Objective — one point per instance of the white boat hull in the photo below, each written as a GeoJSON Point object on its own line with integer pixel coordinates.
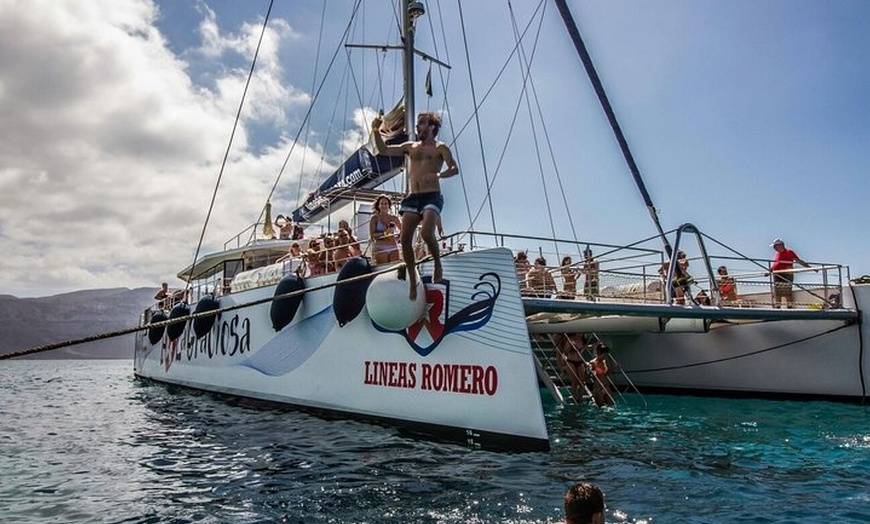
{"type": "Point", "coordinates": [817, 358]}
{"type": "Point", "coordinates": [473, 381]}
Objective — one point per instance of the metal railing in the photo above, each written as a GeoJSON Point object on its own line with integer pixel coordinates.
{"type": "Point", "coordinates": [636, 273]}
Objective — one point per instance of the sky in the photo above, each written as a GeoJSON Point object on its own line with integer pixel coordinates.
{"type": "Point", "coordinates": [747, 119]}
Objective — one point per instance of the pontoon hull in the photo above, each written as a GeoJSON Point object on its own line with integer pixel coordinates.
{"type": "Point", "coordinates": [466, 374]}
{"type": "Point", "coordinates": [787, 358]}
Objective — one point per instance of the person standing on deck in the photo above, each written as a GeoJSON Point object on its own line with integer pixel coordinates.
{"type": "Point", "coordinates": [590, 270]}
{"type": "Point", "coordinates": [783, 273]}
{"type": "Point", "coordinates": [164, 296]}
{"type": "Point", "coordinates": [569, 278]}
{"type": "Point", "coordinates": [424, 201]}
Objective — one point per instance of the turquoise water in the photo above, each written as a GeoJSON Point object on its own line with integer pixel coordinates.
{"type": "Point", "coordinates": [83, 441]}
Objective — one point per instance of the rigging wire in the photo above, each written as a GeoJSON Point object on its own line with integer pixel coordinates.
{"type": "Point", "coordinates": [319, 171]}
{"type": "Point", "coordinates": [545, 130]}
{"type": "Point", "coordinates": [313, 86]}
{"type": "Point", "coordinates": [488, 198]}
{"type": "Point", "coordinates": [445, 101]}
{"type": "Point", "coordinates": [498, 75]}
{"type": "Point", "coordinates": [229, 146]}
{"type": "Point", "coordinates": [314, 178]}
{"type": "Point", "coordinates": [477, 105]}
{"type": "Point", "coordinates": [376, 97]}
{"type": "Point", "coordinates": [763, 267]}
{"type": "Point", "coordinates": [314, 100]}
{"type": "Point", "coordinates": [503, 153]}
{"type": "Point", "coordinates": [526, 69]}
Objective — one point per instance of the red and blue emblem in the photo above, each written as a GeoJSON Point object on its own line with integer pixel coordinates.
{"type": "Point", "coordinates": [437, 322]}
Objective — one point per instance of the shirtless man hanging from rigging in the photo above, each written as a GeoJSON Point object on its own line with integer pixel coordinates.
{"type": "Point", "coordinates": [424, 201]}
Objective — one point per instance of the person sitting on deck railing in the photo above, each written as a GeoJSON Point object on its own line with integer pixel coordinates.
{"type": "Point", "coordinates": [294, 252]}
{"type": "Point", "coordinates": [164, 296]}
{"type": "Point", "coordinates": [298, 232]}
{"type": "Point", "coordinates": [329, 253]}
{"type": "Point", "coordinates": [352, 241]}
{"type": "Point", "coordinates": [286, 227]}
{"type": "Point", "coordinates": [539, 281]}
{"type": "Point", "coordinates": [727, 285]}
{"type": "Point", "coordinates": [682, 278]}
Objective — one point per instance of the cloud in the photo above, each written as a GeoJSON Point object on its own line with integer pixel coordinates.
{"type": "Point", "coordinates": [110, 149]}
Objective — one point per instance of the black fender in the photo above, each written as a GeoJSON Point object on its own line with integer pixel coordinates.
{"type": "Point", "coordinates": [173, 331]}
{"type": "Point", "coordinates": [284, 309]}
{"type": "Point", "coordinates": [349, 299]}
{"type": "Point", "coordinates": [155, 333]}
{"type": "Point", "coordinates": [202, 325]}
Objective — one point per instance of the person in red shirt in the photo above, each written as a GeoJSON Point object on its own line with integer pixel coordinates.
{"type": "Point", "coordinates": [783, 273]}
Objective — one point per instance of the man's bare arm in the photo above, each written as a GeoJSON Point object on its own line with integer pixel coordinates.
{"type": "Point", "coordinates": [447, 156]}
{"type": "Point", "coordinates": [381, 148]}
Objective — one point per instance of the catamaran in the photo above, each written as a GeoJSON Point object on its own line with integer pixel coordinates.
{"type": "Point", "coordinates": [470, 360]}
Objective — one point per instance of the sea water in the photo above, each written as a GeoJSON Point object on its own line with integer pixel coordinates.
{"type": "Point", "coordinates": [84, 441]}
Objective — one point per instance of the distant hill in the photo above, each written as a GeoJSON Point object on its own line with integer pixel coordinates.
{"type": "Point", "coordinates": [31, 322]}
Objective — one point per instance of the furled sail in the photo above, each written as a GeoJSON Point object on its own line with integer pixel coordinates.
{"type": "Point", "coordinates": [268, 230]}
{"type": "Point", "coordinates": [393, 124]}
{"type": "Point", "coordinates": [362, 170]}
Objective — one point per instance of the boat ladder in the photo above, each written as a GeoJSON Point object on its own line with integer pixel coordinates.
{"type": "Point", "coordinates": [556, 372]}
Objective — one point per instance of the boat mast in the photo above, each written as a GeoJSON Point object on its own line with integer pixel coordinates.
{"type": "Point", "coordinates": [411, 11]}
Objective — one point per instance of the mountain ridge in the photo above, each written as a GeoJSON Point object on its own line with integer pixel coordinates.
{"type": "Point", "coordinates": [31, 322]}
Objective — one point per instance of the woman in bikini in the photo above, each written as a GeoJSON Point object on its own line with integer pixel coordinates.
{"type": "Point", "coordinates": [315, 258]}
{"type": "Point", "coordinates": [600, 388]}
{"type": "Point", "coordinates": [569, 278]}
{"type": "Point", "coordinates": [570, 363]}
{"type": "Point", "coordinates": [384, 229]}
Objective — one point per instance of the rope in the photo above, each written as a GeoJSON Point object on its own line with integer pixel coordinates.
{"type": "Point", "coordinates": [192, 316]}
{"type": "Point", "coordinates": [736, 357]}
{"type": "Point", "coordinates": [445, 84]}
{"type": "Point", "coordinates": [229, 147]}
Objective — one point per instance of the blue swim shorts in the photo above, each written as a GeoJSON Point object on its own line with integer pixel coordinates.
{"type": "Point", "coordinates": [419, 202]}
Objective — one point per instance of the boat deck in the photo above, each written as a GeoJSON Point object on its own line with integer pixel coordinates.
{"type": "Point", "coordinates": [540, 308]}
